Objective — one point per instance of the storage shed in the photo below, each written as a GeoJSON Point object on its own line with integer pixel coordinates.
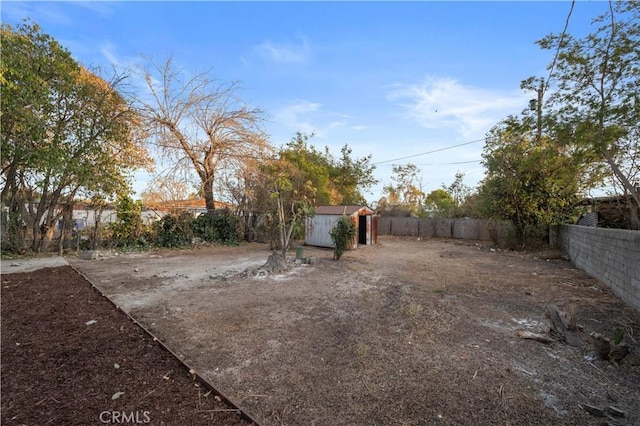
{"type": "Point", "coordinates": [318, 227]}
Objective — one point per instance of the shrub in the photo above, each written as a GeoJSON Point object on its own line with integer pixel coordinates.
{"type": "Point", "coordinates": [127, 231]}
{"type": "Point", "coordinates": [341, 235]}
{"type": "Point", "coordinates": [174, 230]}
{"type": "Point", "coordinates": [216, 227]}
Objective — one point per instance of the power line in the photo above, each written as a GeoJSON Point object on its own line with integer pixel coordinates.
{"type": "Point", "coordinates": [449, 164]}
{"type": "Point", "coordinates": [555, 58]}
{"type": "Point", "coordinates": [430, 152]}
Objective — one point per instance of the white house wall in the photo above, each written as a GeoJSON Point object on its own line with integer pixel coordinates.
{"type": "Point", "coordinates": [88, 217]}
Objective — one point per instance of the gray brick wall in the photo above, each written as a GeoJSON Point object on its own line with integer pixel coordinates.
{"type": "Point", "coordinates": [609, 255]}
{"type": "Point", "coordinates": [466, 229]}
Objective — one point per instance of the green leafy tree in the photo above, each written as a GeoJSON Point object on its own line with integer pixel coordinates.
{"type": "Point", "coordinates": [293, 197]}
{"type": "Point", "coordinates": [351, 177]}
{"type": "Point", "coordinates": [336, 181]}
{"type": "Point", "coordinates": [405, 191]}
{"type": "Point", "coordinates": [529, 181]}
{"type": "Point", "coordinates": [312, 165]}
{"type": "Point", "coordinates": [66, 132]}
{"type": "Point", "coordinates": [128, 229]}
{"type": "Point", "coordinates": [597, 79]}
{"type": "Point", "coordinates": [458, 192]}
{"type": "Point", "coordinates": [439, 203]}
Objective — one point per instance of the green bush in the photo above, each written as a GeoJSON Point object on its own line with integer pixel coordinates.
{"type": "Point", "coordinates": [174, 230]}
{"type": "Point", "coordinates": [216, 227]}
{"type": "Point", "coordinates": [127, 231]}
{"type": "Point", "coordinates": [341, 235]}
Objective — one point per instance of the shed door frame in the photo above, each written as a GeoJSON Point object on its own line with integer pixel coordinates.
{"type": "Point", "coordinates": [364, 229]}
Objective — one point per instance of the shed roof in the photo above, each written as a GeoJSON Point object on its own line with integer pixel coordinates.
{"type": "Point", "coordinates": [339, 210]}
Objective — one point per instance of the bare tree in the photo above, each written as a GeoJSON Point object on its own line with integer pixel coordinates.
{"type": "Point", "coordinates": [168, 189]}
{"type": "Point", "coordinates": [199, 122]}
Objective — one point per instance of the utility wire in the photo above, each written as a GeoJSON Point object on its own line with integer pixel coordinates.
{"type": "Point", "coordinates": [430, 152]}
{"type": "Point", "coordinates": [271, 156]}
{"type": "Point", "coordinates": [448, 164]}
{"type": "Point", "coordinates": [555, 58]}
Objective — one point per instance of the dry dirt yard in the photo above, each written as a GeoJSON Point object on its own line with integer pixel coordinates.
{"type": "Point", "coordinates": [405, 332]}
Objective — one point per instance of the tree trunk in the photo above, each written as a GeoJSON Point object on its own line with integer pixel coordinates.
{"type": "Point", "coordinates": [66, 229]}
{"type": "Point", "coordinates": [563, 325]}
{"type": "Point", "coordinates": [275, 263]}
{"type": "Point", "coordinates": [97, 222]}
{"type": "Point", "coordinates": [633, 191]}
{"type": "Point", "coordinates": [207, 189]}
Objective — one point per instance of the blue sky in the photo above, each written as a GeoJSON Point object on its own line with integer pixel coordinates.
{"type": "Point", "coordinates": [391, 79]}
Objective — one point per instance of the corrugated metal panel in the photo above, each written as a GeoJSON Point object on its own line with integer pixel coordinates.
{"type": "Point", "coordinates": [589, 219]}
{"type": "Point", "coordinates": [318, 227]}
{"type": "Point", "coordinates": [340, 210]}
{"type": "Point", "coordinates": [318, 230]}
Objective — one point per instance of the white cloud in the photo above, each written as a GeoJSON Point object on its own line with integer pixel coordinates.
{"type": "Point", "coordinates": [45, 13]}
{"type": "Point", "coordinates": [107, 51]}
{"type": "Point", "coordinates": [286, 53]}
{"type": "Point", "coordinates": [336, 124]}
{"type": "Point", "coordinates": [41, 13]}
{"type": "Point", "coordinates": [330, 128]}
{"type": "Point", "coordinates": [296, 116]}
{"type": "Point", "coordinates": [103, 9]}
{"type": "Point", "coordinates": [437, 103]}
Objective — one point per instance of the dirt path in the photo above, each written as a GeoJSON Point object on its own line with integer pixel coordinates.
{"type": "Point", "coordinates": [406, 332]}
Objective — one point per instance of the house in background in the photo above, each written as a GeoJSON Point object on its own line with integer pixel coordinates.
{"type": "Point", "coordinates": [84, 216]}
{"type": "Point", "coordinates": [619, 211]}
{"type": "Point", "coordinates": [318, 227]}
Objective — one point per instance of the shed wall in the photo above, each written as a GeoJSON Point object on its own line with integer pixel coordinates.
{"type": "Point", "coordinates": [318, 229]}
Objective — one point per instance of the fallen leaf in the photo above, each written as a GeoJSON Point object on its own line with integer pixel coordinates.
{"type": "Point", "coordinates": [117, 395]}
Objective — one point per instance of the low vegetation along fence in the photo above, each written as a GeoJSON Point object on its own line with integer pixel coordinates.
{"type": "Point", "coordinates": [609, 255]}
{"type": "Point", "coordinates": [500, 232]}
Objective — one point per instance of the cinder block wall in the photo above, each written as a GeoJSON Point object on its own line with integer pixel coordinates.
{"type": "Point", "coordinates": [467, 229]}
{"type": "Point", "coordinates": [609, 255]}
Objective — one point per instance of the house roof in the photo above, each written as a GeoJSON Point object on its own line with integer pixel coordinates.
{"type": "Point", "coordinates": [341, 210]}
{"type": "Point", "coordinates": [193, 204]}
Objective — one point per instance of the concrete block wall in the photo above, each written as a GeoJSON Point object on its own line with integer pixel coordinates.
{"type": "Point", "coordinates": [444, 228]}
{"type": "Point", "coordinates": [467, 229]}
{"type": "Point", "coordinates": [427, 227]}
{"type": "Point", "coordinates": [609, 255]}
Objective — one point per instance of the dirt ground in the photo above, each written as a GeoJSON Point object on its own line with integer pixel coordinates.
{"type": "Point", "coordinates": [405, 332]}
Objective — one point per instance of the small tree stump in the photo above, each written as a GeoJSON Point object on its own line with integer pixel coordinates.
{"type": "Point", "coordinates": [601, 344]}
{"type": "Point", "coordinates": [563, 325]}
{"type": "Point", "coordinates": [275, 263]}
{"type": "Point", "coordinates": [568, 318]}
